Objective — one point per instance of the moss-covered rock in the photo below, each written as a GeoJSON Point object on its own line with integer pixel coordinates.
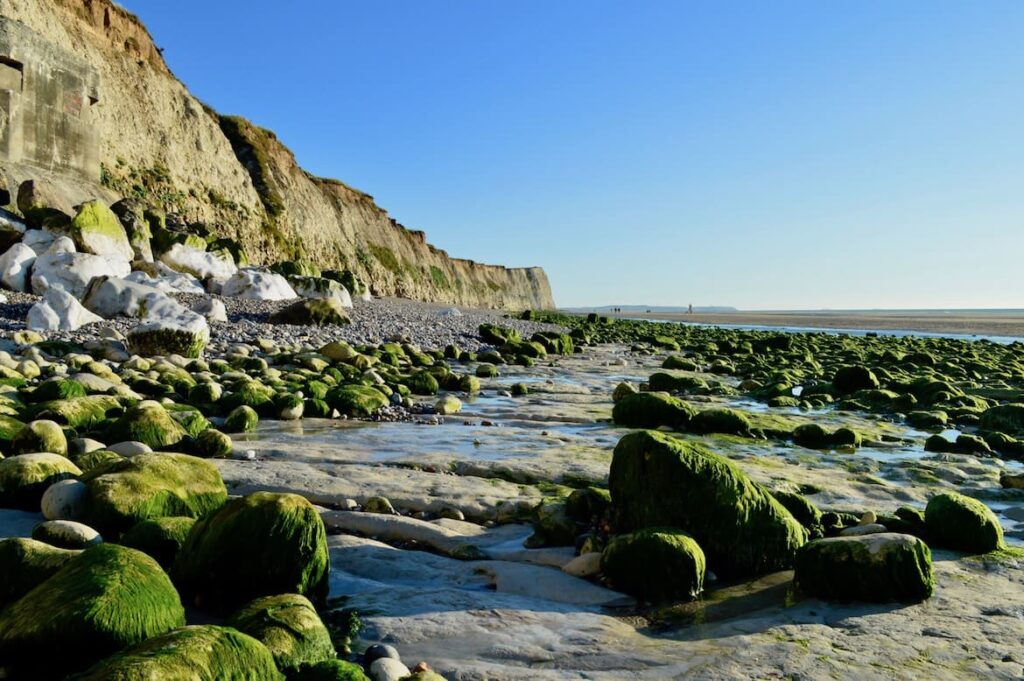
{"type": "Point", "coordinates": [356, 400]}
{"type": "Point", "coordinates": [241, 420]}
{"type": "Point", "coordinates": [846, 437]}
{"type": "Point", "coordinates": [281, 533]}
{"type": "Point", "coordinates": [927, 420]}
{"type": "Point", "coordinates": [719, 420]}
{"type": "Point", "coordinates": [677, 362]}
{"type": "Point", "coordinates": [658, 480]}
{"type": "Point", "coordinates": [40, 436]}
{"type": "Point", "coordinates": [312, 312]}
{"type": "Point", "coordinates": [655, 564]}
{"type": "Point", "coordinates": [623, 390]}
{"type": "Point", "coordinates": [289, 627]}
{"type": "Point", "coordinates": [81, 413]}
{"type": "Point", "coordinates": [876, 568]}
{"type": "Point", "coordinates": [806, 513]}
{"type": "Point", "coordinates": [96, 229]}
{"type": "Point", "coordinates": [850, 379]}
{"type": "Point", "coordinates": [587, 504]}
{"type": "Point", "coordinates": [24, 478]}
{"type": "Point", "coordinates": [159, 538]}
{"type": "Point", "coordinates": [486, 370]}
{"type": "Point", "coordinates": [498, 335]}
{"type": "Point", "coordinates": [447, 405]}
{"type": "Point", "coordinates": [147, 422]}
{"type": "Point", "coordinates": [213, 444]}
{"type": "Point", "coordinates": [812, 436]}
{"type": "Point", "coordinates": [651, 410]}
{"type": "Point", "coordinates": [123, 493]}
{"type": "Point", "coordinates": [552, 525]}
{"type": "Point", "coordinates": [27, 563]}
{"type": "Point", "coordinates": [1006, 418]}
{"type": "Point", "coordinates": [331, 670]}
{"type": "Point", "coordinates": [422, 383]}
{"type": "Point", "coordinates": [961, 523]}
{"type": "Point", "coordinates": [88, 461]}
{"type": "Point", "coordinates": [56, 389]}
{"type": "Point", "coordinates": [101, 601]}
{"type": "Point", "coordinates": [188, 653]}
{"type": "Point", "coordinates": [682, 384]}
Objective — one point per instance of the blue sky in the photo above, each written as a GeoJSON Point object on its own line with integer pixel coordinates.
{"type": "Point", "coordinates": [773, 155]}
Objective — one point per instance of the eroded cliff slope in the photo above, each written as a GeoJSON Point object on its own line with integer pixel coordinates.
{"type": "Point", "coordinates": [160, 143]}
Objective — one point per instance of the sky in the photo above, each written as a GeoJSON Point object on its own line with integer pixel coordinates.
{"type": "Point", "coordinates": [764, 155]}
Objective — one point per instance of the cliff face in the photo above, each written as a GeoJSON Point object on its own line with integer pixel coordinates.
{"type": "Point", "coordinates": [160, 143]}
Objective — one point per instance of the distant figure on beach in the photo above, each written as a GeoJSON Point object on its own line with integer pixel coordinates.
{"type": "Point", "coordinates": [690, 309]}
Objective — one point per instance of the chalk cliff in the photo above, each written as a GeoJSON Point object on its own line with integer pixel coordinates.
{"type": "Point", "coordinates": [158, 142]}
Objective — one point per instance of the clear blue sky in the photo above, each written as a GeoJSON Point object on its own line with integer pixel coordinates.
{"type": "Point", "coordinates": [756, 154]}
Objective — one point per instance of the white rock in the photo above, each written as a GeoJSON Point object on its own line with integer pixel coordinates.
{"type": "Point", "coordinates": [93, 383]}
{"type": "Point", "coordinates": [255, 284]}
{"type": "Point", "coordinates": [585, 565]}
{"type": "Point", "coordinates": [168, 281]}
{"type": "Point", "coordinates": [388, 669]}
{"type": "Point", "coordinates": [38, 240]}
{"type": "Point", "coordinates": [63, 500]}
{"type": "Point", "coordinates": [11, 223]}
{"type": "Point", "coordinates": [315, 287]}
{"type": "Point", "coordinates": [450, 312]}
{"type": "Point", "coordinates": [59, 311]}
{"type": "Point", "coordinates": [169, 328]}
{"type": "Point", "coordinates": [72, 272]}
{"type": "Point", "coordinates": [200, 264]}
{"type": "Point", "coordinates": [116, 297]}
{"type": "Point", "coordinates": [860, 530]}
{"type": "Point", "coordinates": [66, 534]}
{"type": "Point", "coordinates": [130, 448]}
{"type": "Point", "coordinates": [84, 445]}
{"type": "Point", "coordinates": [15, 266]}
{"type": "Point", "coordinates": [61, 244]}
{"type": "Point", "coordinates": [211, 308]}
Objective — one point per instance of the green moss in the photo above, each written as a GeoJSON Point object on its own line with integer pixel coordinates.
{"type": "Point", "coordinates": [658, 480]}
{"type": "Point", "coordinates": [105, 599]}
{"type": "Point", "coordinates": [806, 513]}
{"type": "Point", "coordinates": [159, 538]}
{"type": "Point", "coordinates": [165, 341]}
{"type": "Point", "coordinates": [312, 312]}
{"type": "Point", "coordinates": [423, 383]}
{"type": "Point", "coordinates": [40, 436]}
{"type": "Point", "coordinates": [252, 146]}
{"type": "Point", "coordinates": [332, 670]}
{"type": "Point", "coordinates": [194, 652]}
{"type": "Point", "coordinates": [23, 479]}
{"type": "Point", "coordinates": [27, 563]}
{"type": "Point", "coordinates": [356, 400]}
{"type": "Point", "coordinates": [88, 461]}
{"type": "Point", "coordinates": [123, 493]}
{"type": "Point", "coordinates": [1006, 418]}
{"type": "Point", "coordinates": [676, 362]}
{"type": "Point", "coordinates": [497, 335]}
{"type": "Point", "coordinates": [386, 257]}
{"type": "Point", "coordinates": [289, 627]}
{"type": "Point", "coordinates": [850, 379]}
{"type": "Point", "coordinates": [719, 420]}
{"type": "Point", "coordinates": [655, 564]}
{"type": "Point", "coordinates": [876, 568]}
{"type": "Point", "coordinates": [191, 420]}
{"type": "Point", "coordinates": [486, 370]}
{"type": "Point", "coordinates": [961, 523]}
{"type": "Point", "coordinates": [80, 413]}
{"type": "Point", "coordinates": [682, 384]}
{"type": "Point", "coordinates": [57, 389]}
{"type": "Point", "coordinates": [552, 525]}
{"type": "Point", "coordinates": [588, 504]}
{"type": "Point", "coordinates": [650, 410]}
{"type": "Point", "coordinates": [281, 533]}
{"type": "Point", "coordinates": [147, 422]}
{"type": "Point", "coordinates": [213, 444]}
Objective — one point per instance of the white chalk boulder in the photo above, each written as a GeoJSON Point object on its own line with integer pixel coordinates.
{"type": "Point", "coordinates": [59, 311]}
{"type": "Point", "coordinates": [257, 284]}
{"type": "Point", "coordinates": [200, 264]}
{"type": "Point", "coordinates": [15, 267]}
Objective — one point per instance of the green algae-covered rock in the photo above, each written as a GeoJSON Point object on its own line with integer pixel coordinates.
{"type": "Point", "coordinates": [586, 504]}
{"type": "Point", "coordinates": [356, 400]}
{"type": "Point", "coordinates": [498, 335]}
{"type": "Point", "coordinates": [96, 229]}
{"type": "Point", "coordinates": [961, 523]}
{"type": "Point", "coordinates": [658, 480]}
{"type": "Point", "coordinates": [469, 384]}
{"type": "Point", "coordinates": [719, 420]}
{"type": "Point", "coordinates": [191, 420]}
{"type": "Point", "coordinates": [1006, 418]}
{"type": "Point", "coordinates": [9, 428]}
{"type": "Point", "coordinates": [147, 422]}
{"type": "Point", "coordinates": [88, 461]}
{"type": "Point", "coordinates": [552, 526]}
{"type": "Point", "coordinates": [850, 379]}
{"type": "Point", "coordinates": [331, 670]}
{"type": "Point", "coordinates": [123, 493]}
{"type": "Point", "coordinates": [650, 410]}
{"type": "Point", "coordinates": [56, 389]}
{"type": "Point", "coordinates": [282, 534]}
{"type": "Point", "coordinates": [79, 412]}
{"type": "Point", "coordinates": [677, 362]}
{"type": "Point", "coordinates": [623, 390]}
{"type": "Point", "coordinates": [812, 436]}
{"type": "Point", "coordinates": [101, 601]}
{"type": "Point", "coordinates": [40, 436]}
{"type": "Point", "coordinates": [447, 405]}
{"type": "Point", "coordinates": [927, 420]}
{"type": "Point", "coordinates": [876, 567]}
{"type": "Point", "coordinates": [159, 538]}
{"type": "Point", "coordinates": [655, 564]}
{"type": "Point", "coordinates": [24, 478]}
{"type": "Point", "coordinates": [806, 513]}
{"type": "Point", "coordinates": [845, 437]}
{"type": "Point", "coordinates": [190, 653]}
{"type": "Point", "coordinates": [241, 420]}
{"type": "Point", "coordinates": [312, 312]}
{"type": "Point", "coordinates": [486, 370]}
{"type": "Point", "coordinates": [423, 383]}
{"type": "Point", "coordinates": [289, 627]}
{"type": "Point", "coordinates": [213, 444]}
{"type": "Point", "coordinates": [27, 563]}
{"type": "Point", "coordinates": [670, 383]}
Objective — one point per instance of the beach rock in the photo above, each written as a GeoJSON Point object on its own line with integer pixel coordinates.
{"type": "Point", "coordinates": [12, 228]}
{"type": "Point", "coordinates": [126, 492]}
{"type": "Point", "coordinates": [1010, 481]}
{"type": "Point", "coordinates": [312, 312]}
{"type": "Point", "coordinates": [103, 600]}
{"type": "Point", "coordinates": [166, 280]}
{"type": "Point", "coordinates": [719, 420]}
{"type": "Point", "coordinates": [192, 652]}
{"type": "Point", "coordinates": [320, 287]}
{"type": "Point", "coordinates": [356, 400]}
{"type": "Point", "coordinates": [584, 565]}
{"type": "Point", "coordinates": [96, 229]}
{"type": "Point", "coordinates": [379, 505]}
{"type": "Point", "coordinates": [66, 534]}
{"type": "Point", "coordinates": [149, 423]}
{"type": "Point", "coordinates": [623, 390]}
{"type": "Point", "coordinates": [131, 213]}
{"type": "Point", "coordinates": [117, 297]}
{"type": "Point", "coordinates": [655, 564]}
{"type": "Point", "coordinates": [40, 436]}
{"type": "Point", "coordinates": [388, 669]}
{"type": "Point", "coordinates": [63, 500]}
{"type": "Point", "coordinates": [16, 266]}
{"type": "Point", "coordinates": [27, 563]}
{"type": "Point", "coordinates": [241, 419]}
{"type": "Point", "coordinates": [863, 529]}
{"type": "Point", "coordinates": [961, 523]}
{"type": "Point", "coordinates": [212, 309]}
{"type": "Point", "coordinates": [447, 405]}
{"type": "Point", "coordinates": [159, 538]}
{"type": "Point", "coordinates": [379, 651]}
{"type": "Point", "coordinates": [331, 670]}
{"type": "Point", "coordinates": [170, 329]}
{"type": "Point", "coordinates": [256, 284]}
{"type": "Point", "coordinates": [1006, 418]}
{"type": "Point", "coordinates": [41, 202]}
{"type": "Point", "coordinates": [213, 444]}
{"type": "Point", "coordinates": [72, 272]}
{"type": "Point", "coordinates": [741, 528]}
{"type": "Point", "coordinates": [59, 311]}
{"type": "Point", "coordinates": [850, 379]}
{"type": "Point", "coordinates": [876, 568]}
{"type": "Point", "coordinates": [130, 448]}
{"type": "Point", "coordinates": [39, 240]}
{"type": "Point", "coordinates": [200, 264]}
{"type": "Point", "coordinates": [281, 533]}
{"type": "Point", "coordinates": [651, 410]}
{"type": "Point", "coordinates": [288, 625]}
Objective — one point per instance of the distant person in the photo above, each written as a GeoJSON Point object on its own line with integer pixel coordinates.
{"type": "Point", "coordinates": [690, 309]}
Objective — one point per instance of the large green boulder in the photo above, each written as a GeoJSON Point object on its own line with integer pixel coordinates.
{"type": "Point", "coordinates": [147, 422]}
{"type": "Point", "coordinates": [670, 383]}
{"type": "Point", "coordinates": [101, 601]}
{"type": "Point", "coordinates": [655, 564]}
{"type": "Point", "coordinates": [241, 420]}
{"type": "Point", "coordinates": [40, 436]}
{"type": "Point", "coordinates": [282, 534]}
{"type": "Point", "coordinates": [193, 653]}
{"type": "Point", "coordinates": [658, 480]}
{"type": "Point", "coordinates": [159, 538]}
{"type": "Point", "coordinates": [331, 670]}
{"type": "Point", "coordinates": [875, 568]}
{"type": "Point", "coordinates": [850, 379]}
{"type": "Point", "coordinates": [27, 563]}
{"type": "Point", "coordinates": [79, 412]}
{"type": "Point", "coordinates": [651, 410]}
{"type": "Point", "coordinates": [356, 400]}
{"type": "Point", "coordinates": [24, 478]}
{"type": "Point", "coordinates": [961, 523]}
{"type": "Point", "coordinates": [289, 627]}
{"type": "Point", "coordinates": [1006, 418]}
{"type": "Point", "coordinates": [96, 229]}
{"type": "Point", "coordinates": [123, 493]}
{"type": "Point", "coordinates": [312, 312]}
{"type": "Point", "coordinates": [719, 420]}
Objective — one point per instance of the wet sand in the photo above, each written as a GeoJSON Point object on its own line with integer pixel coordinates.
{"type": "Point", "coordinates": [995, 323]}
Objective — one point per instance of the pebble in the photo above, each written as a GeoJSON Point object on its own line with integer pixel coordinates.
{"type": "Point", "coordinates": [379, 651]}
{"type": "Point", "coordinates": [388, 669]}
{"type": "Point", "coordinates": [859, 530]}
